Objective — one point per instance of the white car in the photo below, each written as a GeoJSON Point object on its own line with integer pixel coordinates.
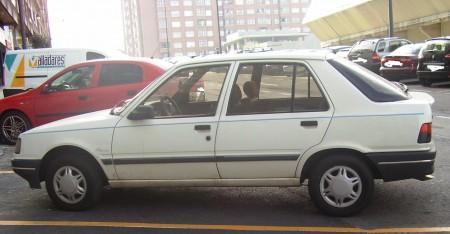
{"type": "Point", "coordinates": [324, 120]}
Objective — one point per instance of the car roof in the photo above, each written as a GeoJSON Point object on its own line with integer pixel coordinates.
{"type": "Point", "coordinates": [440, 38]}
{"type": "Point", "coordinates": [156, 62]}
{"type": "Point", "coordinates": [315, 54]}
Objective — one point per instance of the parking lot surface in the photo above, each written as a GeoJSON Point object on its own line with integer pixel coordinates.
{"type": "Point", "coordinates": [405, 206]}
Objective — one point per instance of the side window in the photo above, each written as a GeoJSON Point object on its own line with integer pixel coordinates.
{"type": "Point", "coordinates": [94, 55]}
{"type": "Point", "coordinates": [275, 88]}
{"type": "Point", "coordinates": [308, 96]}
{"type": "Point", "coordinates": [393, 45]}
{"type": "Point", "coordinates": [381, 46]}
{"type": "Point", "coordinates": [189, 92]}
{"type": "Point", "coordinates": [114, 74]}
{"type": "Point", "coordinates": [78, 78]}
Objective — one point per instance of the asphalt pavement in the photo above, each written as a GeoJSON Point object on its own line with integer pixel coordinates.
{"type": "Point", "coordinates": [404, 206]}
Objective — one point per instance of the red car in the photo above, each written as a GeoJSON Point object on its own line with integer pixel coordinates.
{"type": "Point", "coordinates": [401, 63]}
{"type": "Point", "coordinates": [78, 89]}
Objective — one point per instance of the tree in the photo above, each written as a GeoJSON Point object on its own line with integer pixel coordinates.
{"type": "Point", "coordinates": [40, 41]}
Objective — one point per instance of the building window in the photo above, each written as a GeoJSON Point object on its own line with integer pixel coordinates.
{"type": "Point", "coordinates": [174, 3]}
{"type": "Point", "coordinates": [202, 43]}
{"type": "Point", "coordinates": [187, 2]}
{"type": "Point", "coordinates": [177, 45]}
{"type": "Point", "coordinates": [175, 13]}
{"type": "Point", "coordinates": [190, 44]}
{"type": "Point", "coordinates": [188, 13]}
{"type": "Point", "coordinates": [190, 34]}
{"type": "Point", "coordinates": [210, 43]}
{"type": "Point", "coordinates": [176, 34]}
{"type": "Point", "coordinates": [176, 24]}
{"type": "Point", "coordinates": [189, 23]}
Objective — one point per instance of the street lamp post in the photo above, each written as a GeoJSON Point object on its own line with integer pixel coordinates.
{"type": "Point", "coordinates": [391, 19]}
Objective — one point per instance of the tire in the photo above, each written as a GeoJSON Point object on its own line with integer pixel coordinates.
{"type": "Point", "coordinates": [354, 188]}
{"type": "Point", "coordinates": [12, 123]}
{"type": "Point", "coordinates": [425, 83]}
{"type": "Point", "coordinates": [70, 171]}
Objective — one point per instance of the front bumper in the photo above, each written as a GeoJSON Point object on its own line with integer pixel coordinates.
{"type": "Point", "coordinates": [404, 165]}
{"type": "Point", "coordinates": [29, 170]}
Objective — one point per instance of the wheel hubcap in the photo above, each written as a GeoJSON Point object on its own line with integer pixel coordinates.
{"type": "Point", "coordinates": [69, 184]}
{"type": "Point", "coordinates": [340, 186]}
{"type": "Point", "coordinates": [13, 126]}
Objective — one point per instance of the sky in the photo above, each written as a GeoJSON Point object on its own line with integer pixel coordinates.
{"type": "Point", "coordinates": [95, 24]}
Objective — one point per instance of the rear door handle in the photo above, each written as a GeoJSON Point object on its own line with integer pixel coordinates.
{"type": "Point", "coordinates": [311, 123]}
{"type": "Point", "coordinates": [202, 127]}
{"type": "Point", "coordinates": [82, 98]}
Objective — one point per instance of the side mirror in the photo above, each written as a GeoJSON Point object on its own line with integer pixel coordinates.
{"type": "Point", "coordinates": [142, 112]}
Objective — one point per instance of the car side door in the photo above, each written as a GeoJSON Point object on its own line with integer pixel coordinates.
{"type": "Point", "coordinates": [170, 132]}
{"type": "Point", "coordinates": [282, 113]}
{"type": "Point", "coordinates": [66, 95]}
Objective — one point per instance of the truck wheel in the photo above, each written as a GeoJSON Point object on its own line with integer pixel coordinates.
{"type": "Point", "coordinates": [340, 185]}
{"type": "Point", "coordinates": [13, 123]}
{"type": "Point", "coordinates": [73, 184]}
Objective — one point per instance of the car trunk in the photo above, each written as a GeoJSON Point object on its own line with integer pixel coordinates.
{"type": "Point", "coordinates": [435, 56]}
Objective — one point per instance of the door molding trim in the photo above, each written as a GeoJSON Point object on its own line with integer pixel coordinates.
{"type": "Point", "coordinates": [264, 182]}
{"type": "Point", "coordinates": [201, 159]}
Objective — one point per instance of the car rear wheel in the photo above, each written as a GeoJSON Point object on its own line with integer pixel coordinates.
{"type": "Point", "coordinates": [13, 123]}
{"type": "Point", "coordinates": [425, 83]}
{"type": "Point", "coordinates": [340, 185]}
{"type": "Point", "coordinates": [73, 184]}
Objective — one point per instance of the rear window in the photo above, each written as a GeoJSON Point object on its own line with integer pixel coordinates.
{"type": "Point", "coordinates": [370, 84]}
{"type": "Point", "coordinates": [408, 50]}
{"type": "Point", "coordinates": [365, 45]}
{"type": "Point", "coordinates": [114, 74]}
{"type": "Point", "coordinates": [439, 46]}
{"type": "Point", "coordinates": [94, 55]}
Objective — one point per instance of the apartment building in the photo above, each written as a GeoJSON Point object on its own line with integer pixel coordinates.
{"type": "Point", "coordinates": [164, 28]}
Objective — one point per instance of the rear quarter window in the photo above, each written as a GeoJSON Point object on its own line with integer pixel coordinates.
{"type": "Point", "coordinates": [370, 84]}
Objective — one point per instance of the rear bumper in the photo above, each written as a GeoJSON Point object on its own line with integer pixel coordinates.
{"type": "Point", "coordinates": [404, 165]}
{"type": "Point", "coordinates": [29, 170]}
{"type": "Point", "coordinates": [398, 73]}
{"type": "Point", "coordinates": [434, 76]}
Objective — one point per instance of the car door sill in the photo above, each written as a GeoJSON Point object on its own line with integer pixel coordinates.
{"type": "Point", "coordinates": [263, 182]}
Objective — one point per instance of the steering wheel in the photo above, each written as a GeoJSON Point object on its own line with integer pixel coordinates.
{"type": "Point", "coordinates": [169, 106]}
{"type": "Point", "coordinates": [64, 86]}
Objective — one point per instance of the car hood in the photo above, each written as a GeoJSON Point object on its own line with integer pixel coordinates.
{"type": "Point", "coordinates": [94, 120]}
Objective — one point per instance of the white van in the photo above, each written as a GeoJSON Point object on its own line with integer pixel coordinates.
{"type": "Point", "coordinates": [25, 69]}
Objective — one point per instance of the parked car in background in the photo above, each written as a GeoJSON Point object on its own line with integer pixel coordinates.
{"type": "Point", "coordinates": [341, 50]}
{"type": "Point", "coordinates": [402, 63]}
{"type": "Point", "coordinates": [78, 89]}
{"type": "Point", "coordinates": [268, 119]}
{"type": "Point", "coordinates": [434, 61]}
{"type": "Point", "coordinates": [25, 69]}
{"type": "Point", "coordinates": [368, 52]}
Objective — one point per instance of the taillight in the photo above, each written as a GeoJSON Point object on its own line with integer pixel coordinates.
{"type": "Point", "coordinates": [424, 133]}
{"type": "Point", "coordinates": [447, 56]}
{"type": "Point", "coordinates": [375, 57]}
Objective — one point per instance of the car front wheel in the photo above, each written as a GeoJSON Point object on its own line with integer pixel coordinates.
{"type": "Point", "coordinates": [73, 184]}
{"type": "Point", "coordinates": [340, 185]}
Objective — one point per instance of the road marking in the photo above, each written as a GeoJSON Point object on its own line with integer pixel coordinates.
{"type": "Point", "coordinates": [442, 117]}
{"type": "Point", "coordinates": [214, 227]}
{"type": "Point", "coordinates": [6, 172]}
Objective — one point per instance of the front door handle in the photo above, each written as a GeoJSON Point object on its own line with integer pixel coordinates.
{"type": "Point", "coordinates": [310, 123]}
{"type": "Point", "coordinates": [202, 127]}
{"type": "Point", "coordinates": [82, 98]}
